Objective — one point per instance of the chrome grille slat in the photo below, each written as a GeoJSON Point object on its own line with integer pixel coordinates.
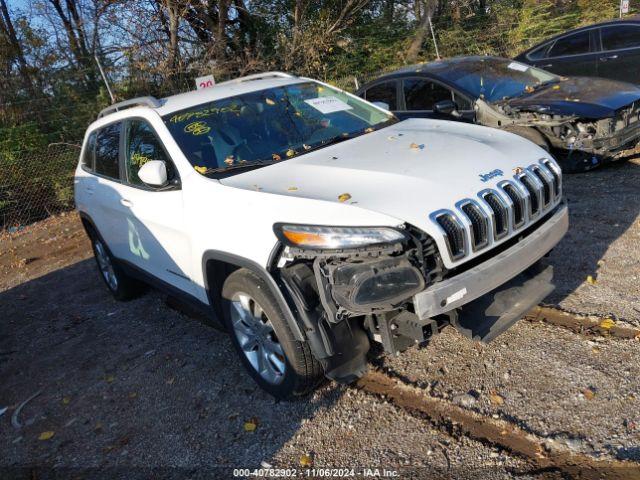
{"type": "Point", "coordinates": [497, 212]}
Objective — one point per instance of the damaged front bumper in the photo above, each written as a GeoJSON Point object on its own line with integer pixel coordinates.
{"type": "Point", "coordinates": [454, 292]}
{"type": "Point", "coordinates": [393, 295]}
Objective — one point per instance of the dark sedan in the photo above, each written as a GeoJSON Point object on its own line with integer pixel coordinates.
{"type": "Point", "coordinates": [584, 121]}
{"type": "Point", "coordinates": [608, 50]}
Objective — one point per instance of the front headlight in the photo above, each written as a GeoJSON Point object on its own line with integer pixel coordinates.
{"type": "Point", "coordinates": [335, 238]}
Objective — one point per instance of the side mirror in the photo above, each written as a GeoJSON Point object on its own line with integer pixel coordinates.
{"type": "Point", "coordinates": [445, 107]}
{"type": "Point", "coordinates": [153, 173]}
{"type": "Point", "coordinates": [383, 105]}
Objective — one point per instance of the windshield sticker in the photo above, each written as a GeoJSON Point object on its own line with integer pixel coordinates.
{"type": "Point", "coordinates": [328, 104]}
{"type": "Point", "coordinates": [518, 67]}
{"type": "Point", "coordinates": [197, 128]}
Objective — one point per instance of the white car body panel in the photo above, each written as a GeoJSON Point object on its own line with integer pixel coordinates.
{"type": "Point", "coordinates": [382, 173]}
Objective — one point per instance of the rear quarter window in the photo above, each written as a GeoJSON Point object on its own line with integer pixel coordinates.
{"type": "Point", "coordinates": [571, 45]}
{"type": "Point", "coordinates": [107, 156]}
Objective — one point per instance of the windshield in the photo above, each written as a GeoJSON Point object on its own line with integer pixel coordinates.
{"type": "Point", "coordinates": [497, 79]}
{"type": "Point", "coordinates": [271, 125]}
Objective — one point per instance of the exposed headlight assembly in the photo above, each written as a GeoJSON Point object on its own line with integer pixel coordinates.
{"type": "Point", "coordinates": [335, 238]}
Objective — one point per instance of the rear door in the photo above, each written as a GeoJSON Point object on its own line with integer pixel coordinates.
{"type": "Point", "coordinates": [420, 94]}
{"type": "Point", "coordinates": [157, 240]}
{"type": "Point", "coordinates": [620, 55]}
{"type": "Point", "coordinates": [575, 54]}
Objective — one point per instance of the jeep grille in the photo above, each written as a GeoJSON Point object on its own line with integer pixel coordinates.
{"type": "Point", "coordinates": [514, 205]}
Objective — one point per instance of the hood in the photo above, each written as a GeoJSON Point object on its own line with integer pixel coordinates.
{"type": "Point", "coordinates": [585, 97]}
{"type": "Point", "coordinates": [405, 171]}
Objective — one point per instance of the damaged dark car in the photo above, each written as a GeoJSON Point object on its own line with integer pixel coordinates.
{"type": "Point", "coordinates": [585, 122]}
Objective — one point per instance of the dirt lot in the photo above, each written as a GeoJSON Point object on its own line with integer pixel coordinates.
{"type": "Point", "coordinates": [123, 388]}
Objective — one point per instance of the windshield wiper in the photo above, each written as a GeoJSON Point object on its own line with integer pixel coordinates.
{"type": "Point", "coordinates": [240, 166]}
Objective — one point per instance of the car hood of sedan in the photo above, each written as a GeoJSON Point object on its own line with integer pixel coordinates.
{"type": "Point", "coordinates": [406, 171]}
{"type": "Point", "coordinates": [585, 97]}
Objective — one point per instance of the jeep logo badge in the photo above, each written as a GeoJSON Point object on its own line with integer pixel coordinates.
{"type": "Point", "coordinates": [485, 177]}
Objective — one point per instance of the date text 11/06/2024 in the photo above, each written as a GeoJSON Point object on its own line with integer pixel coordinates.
{"type": "Point", "coordinates": [315, 472]}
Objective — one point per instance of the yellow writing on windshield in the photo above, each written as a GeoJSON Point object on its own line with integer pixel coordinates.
{"type": "Point", "coordinates": [197, 128]}
{"type": "Point", "coordinates": [204, 113]}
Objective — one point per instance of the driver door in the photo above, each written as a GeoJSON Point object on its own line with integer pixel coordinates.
{"type": "Point", "coordinates": [156, 232]}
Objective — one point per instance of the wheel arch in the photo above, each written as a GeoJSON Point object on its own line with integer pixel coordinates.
{"type": "Point", "coordinates": [217, 266]}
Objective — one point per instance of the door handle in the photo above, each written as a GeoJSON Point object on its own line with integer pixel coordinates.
{"type": "Point", "coordinates": [608, 57]}
{"type": "Point", "coordinates": [126, 203]}
{"type": "Point", "coordinates": [548, 65]}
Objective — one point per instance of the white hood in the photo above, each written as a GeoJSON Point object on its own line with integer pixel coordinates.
{"type": "Point", "coordinates": [406, 171]}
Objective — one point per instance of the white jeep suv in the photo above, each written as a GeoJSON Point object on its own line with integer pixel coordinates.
{"type": "Point", "coordinates": [311, 223]}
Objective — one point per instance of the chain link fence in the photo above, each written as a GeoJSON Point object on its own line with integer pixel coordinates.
{"type": "Point", "coordinates": [34, 186]}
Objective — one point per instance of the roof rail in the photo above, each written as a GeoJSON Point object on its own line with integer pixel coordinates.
{"type": "Point", "coordinates": [257, 76]}
{"type": "Point", "coordinates": [149, 101]}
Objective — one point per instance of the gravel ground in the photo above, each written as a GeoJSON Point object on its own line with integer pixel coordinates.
{"type": "Point", "coordinates": [131, 386]}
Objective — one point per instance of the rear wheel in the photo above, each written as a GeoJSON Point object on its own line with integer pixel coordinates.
{"type": "Point", "coordinates": [121, 286]}
{"type": "Point", "coordinates": [279, 364]}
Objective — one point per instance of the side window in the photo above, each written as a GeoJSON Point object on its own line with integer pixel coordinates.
{"type": "Point", "coordinates": [143, 145]}
{"type": "Point", "coordinates": [571, 45]}
{"type": "Point", "coordinates": [422, 94]}
{"type": "Point", "coordinates": [623, 36]}
{"type": "Point", "coordinates": [108, 151]}
{"type": "Point", "coordinates": [383, 92]}
{"type": "Point", "coordinates": [538, 53]}
{"type": "Point", "coordinates": [89, 151]}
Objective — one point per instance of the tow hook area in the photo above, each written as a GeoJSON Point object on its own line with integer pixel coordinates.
{"type": "Point", "coordinates": [400, 330]}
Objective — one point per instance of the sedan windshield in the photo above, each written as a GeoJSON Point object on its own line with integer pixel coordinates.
{"type": "Point", "coordinates": [268, 126]}
{"type": "Point", "coordinates": [494, 79]}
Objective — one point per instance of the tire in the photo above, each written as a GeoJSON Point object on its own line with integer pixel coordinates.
{"type": "Point", "coordinates": [530, 134]}
{"type": "Point", "coordinates": [121, 285]}
{"type": "Point", "coordinates": [277, 362]}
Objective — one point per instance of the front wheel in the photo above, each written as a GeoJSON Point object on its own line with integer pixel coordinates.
{"type": "Point", "coordinates": [279, 364]}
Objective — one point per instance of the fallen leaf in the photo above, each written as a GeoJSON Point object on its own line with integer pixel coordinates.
{"type": "Point", "coordinates": [200, 169]}
{"type": "Point", "coordinates": [495, 398]}
{"type": "Point", "coordinates": [368, 130]}
{"type": "Point", "coordinates": [46, 435]}
{"type": "Point", "coordinates": [292, 189]}
{"type": "Point", "coordinates": [529, 89]}
{"type": "Point", "coordinates": [344, 197]}
{"type": "Point", "coordinates": [98, 427]}
{"type": "Point", "coordinates": [66, 400]}
{"type": "Point", "coordinates": [306, 460]}
{"type": "Point", "coordinates": [133, 395]}
{"type": "Point", "coordinates": [415, 146]}
{"type": "Point", "coordinates": [556, 87]}
{"type": "Point", "coordinates": [250, 425]}
{"type": "Point", "coordinates": [291, 152]}
{"type": "Point", "coordinates": [306, 147]}
{"type": "Point", "coordinates": [607, 323]}
{"type": "Point", "coordinates": [276, 157]}
{"type": "Point", "coordinates": [595, 349]}
{"type": "Point", "coordinates": [229, 160]}
{"type": "Point", "coordinates": [591, 280]}
{"type": "Point", "coordinates": [589, 393]}
{"type": "Point", "coordinates": [109, 378]}
{"type": "Point", "coordinates": [268, 101]}
{"type": "Point", "coordinates": [171, 380]}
